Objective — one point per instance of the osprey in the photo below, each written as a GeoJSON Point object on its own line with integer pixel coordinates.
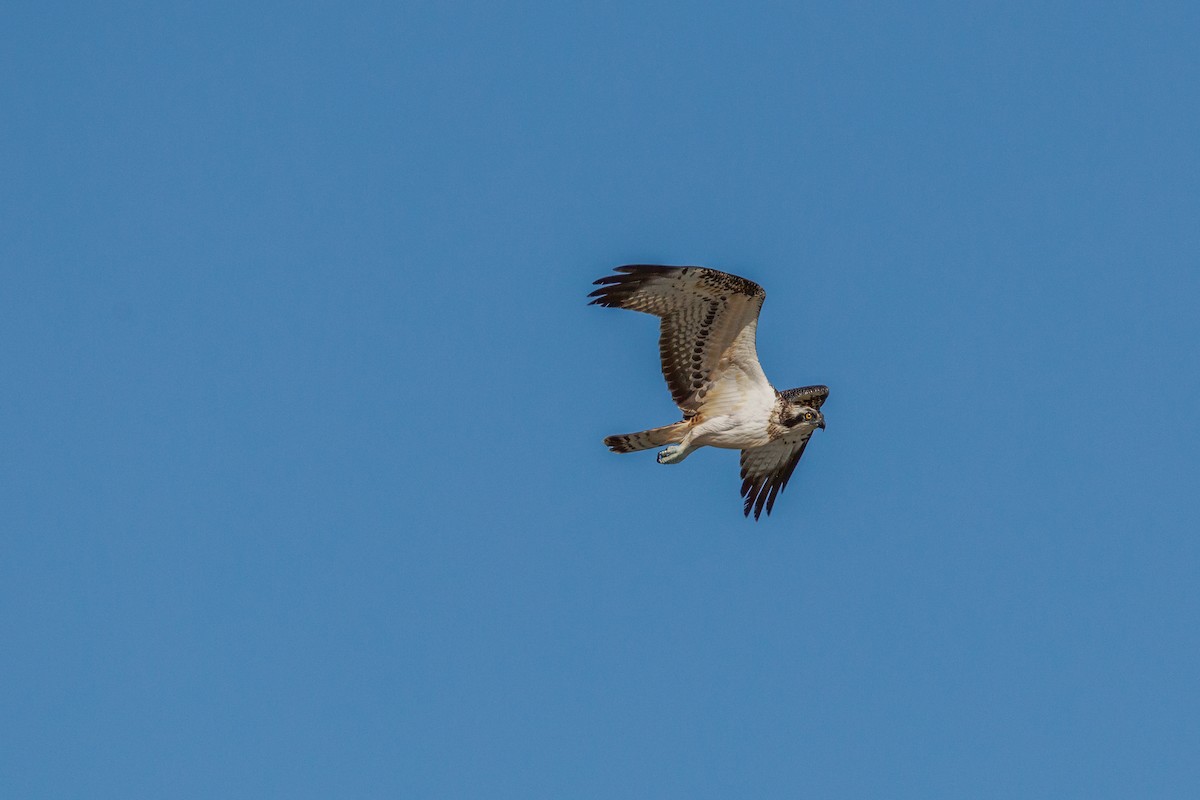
{"type": "Point", "coordinates": [706, 342]}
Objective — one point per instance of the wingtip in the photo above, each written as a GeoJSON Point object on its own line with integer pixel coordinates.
{"type": "Point", "coordinates": [602, 296]}
{"type": "Point", "coordinates": [608, 280]}
{"type": "Point", "coordinates": [749, 508]}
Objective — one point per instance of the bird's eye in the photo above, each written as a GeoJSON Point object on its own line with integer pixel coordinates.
{"type": "Point", "coordinates": [808, 415]}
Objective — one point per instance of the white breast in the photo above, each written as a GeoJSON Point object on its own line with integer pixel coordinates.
{"type": "Point", "coordinates": [736, 411]}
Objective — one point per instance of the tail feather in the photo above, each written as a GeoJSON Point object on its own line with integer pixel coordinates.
{"type": "Point", "coordinates": [644, 440]}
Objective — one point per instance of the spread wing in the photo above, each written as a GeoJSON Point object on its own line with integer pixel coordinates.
{"type": "Point", "coordinates": [708, 322]}
{"type": "Point", "coordinates": [766, 470]}
{"type": "Point", "coordinates": [810, 395]}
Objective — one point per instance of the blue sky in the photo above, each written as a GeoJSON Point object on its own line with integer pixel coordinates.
{"type": "Point", "coordinates": [303, 490]}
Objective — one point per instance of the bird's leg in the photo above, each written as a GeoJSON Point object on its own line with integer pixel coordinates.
{"type": "Point", "coordinates": [677, 452]}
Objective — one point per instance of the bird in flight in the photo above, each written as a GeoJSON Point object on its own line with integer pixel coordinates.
{"type": "Point", "coordinates": [706, 342]}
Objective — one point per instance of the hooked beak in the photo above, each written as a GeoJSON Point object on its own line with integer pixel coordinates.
{"type": "Point", "coordinates": [821, 424]}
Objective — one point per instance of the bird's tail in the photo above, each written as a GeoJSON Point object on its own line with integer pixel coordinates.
{"type": "Point", "coordinates": [644, 440]}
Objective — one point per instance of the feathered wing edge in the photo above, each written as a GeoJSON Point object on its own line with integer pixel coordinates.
{"type": "Point", "coordinates": [616, 290]}
{"type": "Point", "coordinates": [702, 312]}
{"type": "Point", "coordinates": [761, 488]}
{"type": "Point", "coordinates": [812, 395]}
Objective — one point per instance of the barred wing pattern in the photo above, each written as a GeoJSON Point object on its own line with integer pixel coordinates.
{"type": "Point", "coordinates": [704, 313]}
{"type": "Point", "coordinates": [766, 470]}
{"type": "Point", "coordinates": [809, 395]}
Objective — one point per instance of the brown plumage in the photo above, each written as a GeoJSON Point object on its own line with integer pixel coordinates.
{"type": "Point", "coordinates": [709, 360]}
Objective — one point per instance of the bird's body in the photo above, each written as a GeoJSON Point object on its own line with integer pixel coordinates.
{"type": "Point", "coordinates": [709, 359]}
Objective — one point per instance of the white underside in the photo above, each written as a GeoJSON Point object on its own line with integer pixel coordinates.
{"type": "Point", "coordinates": [732, 432]}
{"type": "Point", "coordinates": [735, 411]}
{"type": "Point", "coordinates": [736, 415]}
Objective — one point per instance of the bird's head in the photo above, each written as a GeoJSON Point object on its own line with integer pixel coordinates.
{"type": "Point", "coordinates": [801, 413]}
{"type": "Point", "coordinates": [802, 406]}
